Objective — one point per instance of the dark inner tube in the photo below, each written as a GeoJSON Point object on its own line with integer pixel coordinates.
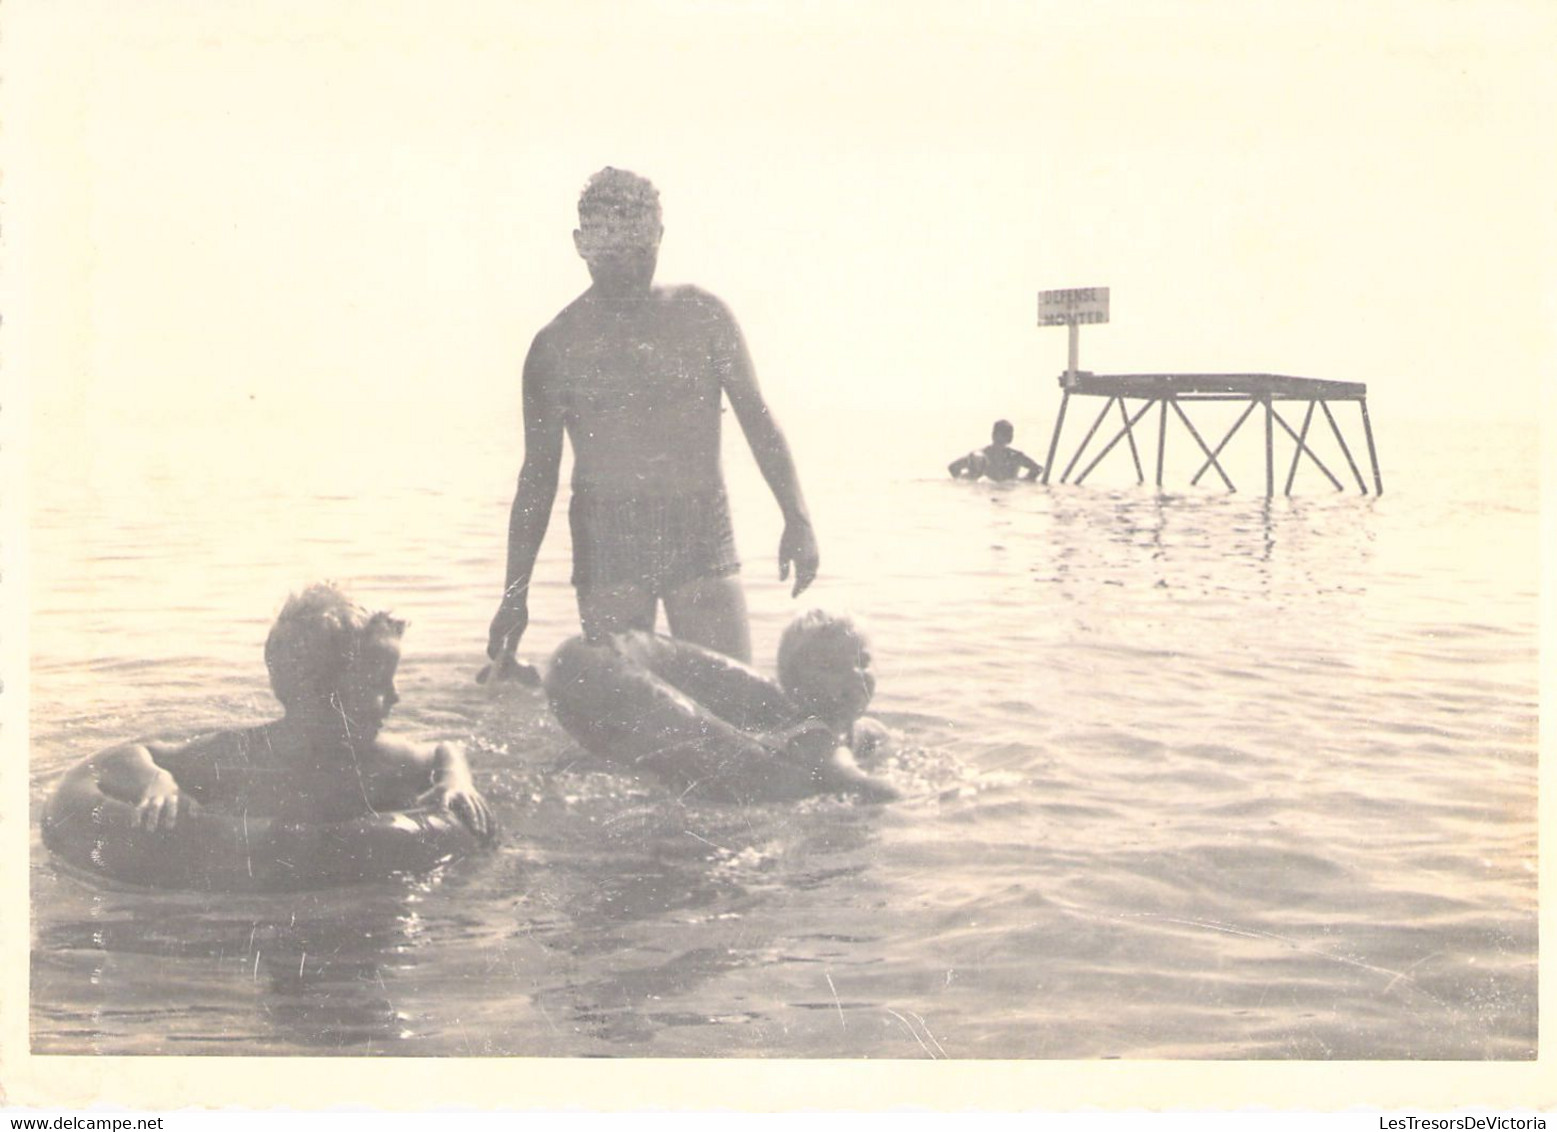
{"type": "Point", "coordinates": [219, 852]}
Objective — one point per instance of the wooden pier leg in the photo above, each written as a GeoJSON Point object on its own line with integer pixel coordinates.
{"type": "Point", "coordinates": [1367, 430]}
{"type": "Point", "coordinates": [1345, 451]}
{"type": "Point", "coordinates": [1162, 439]}
{"type": "Point", "coordinates": [1054, 441]}
{"type": "Point", "coordinates": [1210, 456]}
{"type": "Point", "coordinates": [1217, 451]}
{"type": "Point", "coordinates": [1270, 448]}
{"type": "Point", "coordinates": [1297, 453]}
{"type": "Point", "coordinates": [1118, 436]}
{"type": "Point", "coordinates": [1135, 453]}
{"type": "Point", "coordinates": [1304, 449]}
{"type": "Point", "coordinates": [1086, 440]}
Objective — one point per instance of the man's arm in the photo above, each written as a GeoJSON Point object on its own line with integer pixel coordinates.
{"type": "Point", "coordinates": [533, 500]}
{"type": "Point", "coordinates": [1033, 468]}
{"type": "Point", "coordinates": [960, 467]}
{"type": "Point", "coordinates": [771, 451]}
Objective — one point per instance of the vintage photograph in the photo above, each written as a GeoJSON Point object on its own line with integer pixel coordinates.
{"type": "Point", "coordinates": [777, 531]}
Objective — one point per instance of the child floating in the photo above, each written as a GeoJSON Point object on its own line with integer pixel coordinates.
{"type": "Point", "coordinates": [712, 727]}
{"type": "Point", "coordinates": [316, 797]}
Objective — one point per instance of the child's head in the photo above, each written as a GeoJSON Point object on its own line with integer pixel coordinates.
{"type": "Point", "coordinates": [1002, 433]}
{"type": "Point", "coordinates": [824, 666]}
{"type": "Point", "coordinates": [327, 652]}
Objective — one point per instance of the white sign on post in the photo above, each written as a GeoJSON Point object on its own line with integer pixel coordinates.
{"type": "Point", "coordinates": [1073, 306]}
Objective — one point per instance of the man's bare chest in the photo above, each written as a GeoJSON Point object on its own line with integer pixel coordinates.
{"type": "Point", "coordinates": [644, 372]}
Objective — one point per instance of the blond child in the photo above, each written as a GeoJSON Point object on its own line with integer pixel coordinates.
{"type": "Point", "coordinates": [710, 725]}
{"type": "Point", "coordinates": [332, 665]}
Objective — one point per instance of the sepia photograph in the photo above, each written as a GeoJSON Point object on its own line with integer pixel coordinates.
{"type": "Point", "coordinates": [758, 542]}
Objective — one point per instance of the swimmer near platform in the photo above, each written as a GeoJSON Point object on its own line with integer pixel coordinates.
{"type": "Point", "coordinates": [1135, 395]}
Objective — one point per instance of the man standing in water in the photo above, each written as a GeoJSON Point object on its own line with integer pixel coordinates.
{"type": "Point", "coordinates": [634, 375]}
{"type": "Point", "coordinates": [998, 460]}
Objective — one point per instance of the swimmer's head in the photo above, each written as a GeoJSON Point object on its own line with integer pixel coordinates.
{"type": "Point", "coordinates": [327, 653]}
{"type": "Point", "coordinates": [620, 225]}
{"type": "Point", "coordinates": [1002, 433]}
{"type": "Point", "coordinates": [824, 666]}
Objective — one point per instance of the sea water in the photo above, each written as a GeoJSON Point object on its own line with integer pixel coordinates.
{"type": "Point", "coordinates": [1186, 774]}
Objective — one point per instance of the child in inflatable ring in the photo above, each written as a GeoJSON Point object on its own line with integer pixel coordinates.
{"type": "Point", "coordinates": [711, 726]}
{"type": "Point", "coordinates": [332, 665]}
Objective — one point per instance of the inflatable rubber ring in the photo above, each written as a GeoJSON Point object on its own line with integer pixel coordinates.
{"type": "Point", "coordinates": [216, 852]}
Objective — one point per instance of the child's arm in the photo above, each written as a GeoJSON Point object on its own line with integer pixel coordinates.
{"type": "Point", "coordinates": [455, 790]}
{"type": "Point", "coordinates": [162, 780]}
{"type": "Point", "coordinates": [128, 772]}
{"type": "Point", "coordinates": [440, 778]}
{"type": "Point", "coordinates": [870, 737]}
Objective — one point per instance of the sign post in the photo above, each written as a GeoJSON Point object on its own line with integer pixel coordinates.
{"type": "Point", "coordinates": [1069, 307]}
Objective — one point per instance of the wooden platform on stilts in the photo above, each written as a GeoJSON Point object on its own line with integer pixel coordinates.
{"type": "Point", "coordinates": [1172, 391]}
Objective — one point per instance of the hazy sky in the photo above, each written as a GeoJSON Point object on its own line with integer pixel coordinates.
{"type": "Point", "coordinates": [317, 206]}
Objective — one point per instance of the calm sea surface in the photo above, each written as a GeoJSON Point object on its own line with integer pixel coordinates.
{"type": "Point", "coordinates": [1187, 775]}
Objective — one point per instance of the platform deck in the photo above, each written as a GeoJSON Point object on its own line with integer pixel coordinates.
{"type": "Point", "coordinates": [1200, 386]}
{"type": "Point", "coordinates": [1175, 390]}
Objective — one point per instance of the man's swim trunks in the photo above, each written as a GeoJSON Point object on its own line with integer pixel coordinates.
{"type": "Point", "coordinates": [659, 543]}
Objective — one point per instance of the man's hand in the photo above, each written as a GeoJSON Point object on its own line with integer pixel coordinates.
{"type": "Point", "coordinates": [509, 669]}
{"type": "Point", "coordinates": [798, 546]}
{"type": "Point", "coordinates": [513, 618]}
{"type": "Point", "coordinates": [159, 804]}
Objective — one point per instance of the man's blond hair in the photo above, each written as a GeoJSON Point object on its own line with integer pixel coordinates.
{"type": "Point", "coordinates": [619, 192]}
